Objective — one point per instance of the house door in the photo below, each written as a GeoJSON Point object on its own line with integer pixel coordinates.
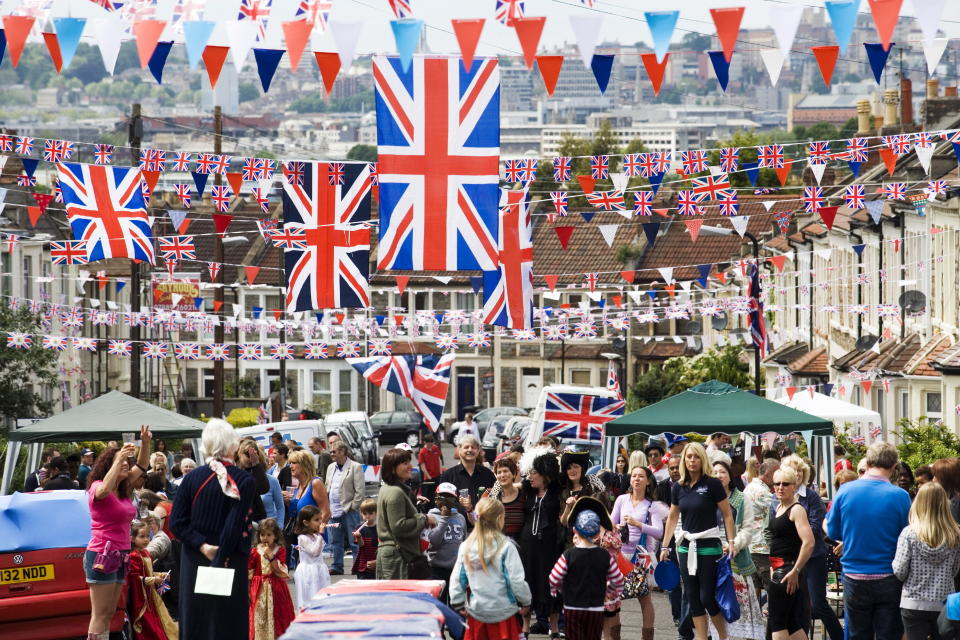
{"type": "Point", "coordinates": [466, 391]}
{"type": "Point", "coordinates": [530, 381]}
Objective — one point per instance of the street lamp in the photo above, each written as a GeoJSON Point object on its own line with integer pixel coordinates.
{"type": "Point", "coordinates": [722, 231]}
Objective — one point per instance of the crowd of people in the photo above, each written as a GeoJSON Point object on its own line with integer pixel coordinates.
{"type": "Point", "coordinates": [532, 544]}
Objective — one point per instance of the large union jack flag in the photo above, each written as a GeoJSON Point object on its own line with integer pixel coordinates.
{"type": "Point", "coordinates": [576, 416]}
{"type": "Point", "coordinates": [425, 380]}
{"type": "Point", "coordinates": [508, 291]}
{"type": "Point", "coordinates": [438, 136]}
{"type": "Point", "coordinates": [106, 209]}
{"type": "Point", "coordinates": [331, 268]}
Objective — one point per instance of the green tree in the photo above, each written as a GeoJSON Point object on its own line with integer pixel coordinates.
{"type": "Point", "coordinates": [849, 128]}
{"type": "Point", "coordinates": [243, 417]}
{"type": "Point", "coordinates": [248, 91]}
{"type": "Point", "coordinates": [822, 131]}
{"type": "Point", "coordinates": [23, 371]}
{"type": "Point", "coordinates": [363, 152]}
{"type": "Point", "coordinates": [747, 141]}
{"type": "Point", "coordinates": [725, 364]}
{"type": "Point", "coordinates": [925, 442]}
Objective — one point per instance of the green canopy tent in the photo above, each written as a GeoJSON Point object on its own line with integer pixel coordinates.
{"type": "Point", "coordinates": [107, 417]}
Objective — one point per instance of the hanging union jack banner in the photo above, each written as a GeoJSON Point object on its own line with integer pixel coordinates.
{"type": "Point", "coordinates": [579, 417]}
{"type": "Point", "coordinates": [508, 291]}
{"type": "Point", "coordinates": [177, 248]}
{"type": "Point", "coordinates": [425, 380]}
{"type": "Point", "coordinates": [438, 137]}
{"type": "Point", "coordinates": [68, 252]}
{"type": "Point", "coordinates": [330, 269]}
{"type": "Point", "coordinates": [106, 209]}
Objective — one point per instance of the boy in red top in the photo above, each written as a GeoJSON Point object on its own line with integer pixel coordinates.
{"type": "Point", "coordinates": [430, 459]}
{"type": "Point", "coordinates": [841, 464]}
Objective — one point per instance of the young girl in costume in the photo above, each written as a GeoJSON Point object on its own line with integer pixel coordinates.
{"type": "Point", "coordinates": [312, 573]}
{"type": "Point", "coordinates": [271, 608]}
{"type": "Point", "coordinates": [147, 611]}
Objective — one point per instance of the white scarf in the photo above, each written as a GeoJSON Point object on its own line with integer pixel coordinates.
{"type": "Point", "coordinates": [227, 484]}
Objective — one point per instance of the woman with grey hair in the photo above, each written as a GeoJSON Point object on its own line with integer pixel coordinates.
{"type": "Point", "coordinates": [211, 518]}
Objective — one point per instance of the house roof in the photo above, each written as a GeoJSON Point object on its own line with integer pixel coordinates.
{"type": "Point", "coordinates": [661, 350]}
{"type": "Point", "coordinates": [909, 355]}
{"type": "Point", "coordinates": [812, 363]}
{"type": "Point", "coordinates": [948, 359]}
{"type": "Point", "coordinates": [788, 353]}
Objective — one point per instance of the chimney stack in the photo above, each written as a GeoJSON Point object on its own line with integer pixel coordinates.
{"type": "Point", "coordinates": [890, 99]}
{"type": "Point", "coordinates": [933, 88]}
{"type": "Point", "coordinates": [864, 124]}
{"type": "Point", "coordinates": [906, 101]}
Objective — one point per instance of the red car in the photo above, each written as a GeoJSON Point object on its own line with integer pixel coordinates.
{"type": "Point", "coordinates": [43, 591]}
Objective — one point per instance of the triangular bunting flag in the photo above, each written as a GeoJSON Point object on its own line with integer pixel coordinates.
{"type": "Point", "coordinates": [251, 273]}
{"type": "Point", "coordinates": [235, 180]}
{"type": "Point", "coordinates": [662, 24]}
{"type": "Point", "coordinates": [267, 62]}
{"type": "Point", "coordinates": [867, 385]}
{"type": "Point", "coordinates": [740, 224]}
{"type": "Point", "coordinates": [609, 232]}
{"type": "Point", "coordinates": [784, 172]}
{"type": "Point", "coordinates": [468, 35]}
{"type": "Point", "coordinates": [200, 181]}
{"type": "Point", "coordinates": [196, 35]}
{"type": "Point", "coordinates": [843, 17]}
{"type": "Point", "coordinates": [791, 391]}
{"type": "Point", "coordinates": [858, 249]}
{"type": "Point", "coordinates": [721, 67]}
{"type": "Point", "coordinates": [586, 31]}
{"type": "Point", "coordinates": [877, 55]}
{"type": "Point", "coordinates": [784, 19]}
{"type": "Point", "coordinates": [69, 31]}
{"type": "Point", "coordinates": [528, 33]}
{"type": "Point", "coordinates": [43, 200]}
{"type": "Point", "coordinates": [773, 62]}
{"type": "Point", "coordinates": [220, 222]}
{"type": "Point", "coordinates": [628, 276]}
{"type": "Point", "coordinates": [933, 52]}
{"type": "Point", "coordinates": [406, 33]}
{"type": "Point", "coordinates": [875, 209]}
{"type": "Point", "coordinates": [826, 59]}
{"type": "Point", "coordinates": [752, 170]}
{"type": "Point", "coordinates": [563, 235]}
{"type": "Point", "coordinates": [53, 47]}
{"type": "Point", "coordinates": [34, 213]}
{"type": "Point", "coordinates": [151, 178]}
{"type": "Point", "coordinates": [828, 214]}
{"type": "Point", "coordinates": [727, 22]}
{"type": "Point", "coordinates": [177, 217]}
{"type": "Point", "coordinates": [817, 170]}
{"type": "Point", "coordinates": [655, 179]}
{"type": "Point", "coordinates": [889, 158]}
{"type": "Point", "coordinates": [587, 183]}
{"type": "Point", "coordinates": [928, 14]}
{"type": "Point", "coordinates": [650, 230]}
{"type": "Point", "coordinates": [885, 16]}
{"type": "Point", "coordinates": [601, 65]}
{"type": "Point", "coordinates": [475, 283]}
{"type": "Point", "coordinates": [924, 155]}
{"type": "Point", "coordinates": [666, 273]}
{"type": "Point", "coordinates": [29, 165]}
{"type": "Point", "coordinates": [778, 262]}
{"type": "Point", "coordinates": [147, 34]}
{"type": "Point", "coordinates": [551, 281]}
{"type": "Point", "coordinates": [108, 32]}
{"type": "Point", "coordinates": [213, 59]}
{"type": "Point", "coordinates": [329, 64]}
{"type": "Point", "coordinates": [854, 167]}
{"type": "Point", "coordinates": [402, 282]}
{"type": "Point", "coordinates": [588, 215]}
{"type": "Point", "coordinates": [17, 29]}
{"type": "Point", "coordinates": [159, 59]}
{"type": "Point", "coordinates": [241, 35]}
{"type": "Point", "coordinates": [654, 69]}
{"type": "Point", "coordinates": [296, 34]}
{"type": "Point", "coordinates": [693, 228]}
{"type": "Point", "coordinates": [549, 67]}
{"type": "Point", "coordinates": [346, 35]}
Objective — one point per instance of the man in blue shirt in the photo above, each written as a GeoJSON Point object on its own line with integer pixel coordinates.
{"type": "Point", "coordinates": [868, 516]}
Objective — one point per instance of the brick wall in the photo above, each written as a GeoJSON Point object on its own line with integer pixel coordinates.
{"type": "Point", "coordinates": [508, 387]}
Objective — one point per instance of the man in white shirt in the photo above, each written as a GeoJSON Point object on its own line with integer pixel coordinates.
{"type": "Point", "coordinates": [345, 487]}
{"type": "Point", "coordinates": [467, 427]}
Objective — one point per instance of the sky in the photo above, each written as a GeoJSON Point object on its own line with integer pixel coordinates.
{"type": "Point", "coordinates": [623, 19]}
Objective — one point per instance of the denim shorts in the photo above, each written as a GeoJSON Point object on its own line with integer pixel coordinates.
{"type": "Point", "coordinates": [99, 577]}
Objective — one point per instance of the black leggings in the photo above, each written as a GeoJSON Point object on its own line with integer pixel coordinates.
{"type": "Point", "coordinates": [701, 588]}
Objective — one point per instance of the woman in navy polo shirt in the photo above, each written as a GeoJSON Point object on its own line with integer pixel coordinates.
{"type": "Point", "coordinates": [694, 503]}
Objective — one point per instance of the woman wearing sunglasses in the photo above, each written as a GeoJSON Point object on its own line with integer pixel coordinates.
{"type": "Point", "coordinates": [791, 542]}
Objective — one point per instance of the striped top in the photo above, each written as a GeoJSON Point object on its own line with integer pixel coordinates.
{"type": "Point", "coordinates": [513, 516]}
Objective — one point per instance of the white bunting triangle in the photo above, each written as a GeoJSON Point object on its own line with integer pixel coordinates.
{"type": "Point", "coordinates": [635, 296]}
{"type": "Point", "coordinates": [933, 52]}
{"type": "Point", "coordinates": [442, 279]}
{"type": "Point", "coordinates": [666, 273]}
{"type": "Point", "coordinates": [876, 347]}
{"type": "Point", "coordinates": [3, 163]}
{"type": "Point", "coordinates": [817, 170]}
{"type": "Point", "coordinates": [784, 19]}
{"type": "Point", "coordinates": [773, 61]}
{"type": "Point", "coordinates": [924, 155]}
{"type": "Point", "coordinates": [3, 192]}
{"type": "Point", "coordinates": [619, 180]}
{"type": "Point", "coordinates": [346, 35]}
{"type": "Point", "coordinates": [586, 30]}
{"type": "Point", "coordinates": [241, 34]}
{"type": "Point", "coordinates": [824, 254]}
{"type": "Point", "coordinates": [108, 31]}
{"type": "Point", "coordinates": [768, 204]}
{"type": "Point", "coordinates": [626, 213]}
{"type": "Point", "coordinates": [740, 224]}
{"type": "Point", "coordinates": [609, 232]}
{"type": "Point", "coordinates": [928, 14]}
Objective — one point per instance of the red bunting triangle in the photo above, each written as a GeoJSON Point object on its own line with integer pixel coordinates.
{"type": "Point", "coordinates": [784, 172]}
{"type": "Point", "coordinates": [827, 59]}
{"type": "Point", "coordinates": [34, 213]}
{"type": "Point", "coordinates": [563, 235]}
{"type": "Point", "coordinates": [867, 384]}
{"type": "Point", "coordinates": [402, 282]}
{"type": "Point", "coordinates": [43, 199]}
{"type": "Point", "coordinates": [529, 30]}
{"type": "Point", "coordinates": [552, 280]}
{"type": "Point", "coordinates": [791, 391]}
{"type": "Point", "coordinates": [53, 46]}
{"type": "Point", "coordinates": [671, 289]}
{"type": "Point", "coordinates": [663, 213]}
{"type": "Point", "coordinates": [693, 228]}
{"type": "Point", "coordinates": [617, 300]}
{"type": "Point", "coordinates": [628, 276]}
{"type": "Point", "coordinates": [587, 183]}
{"type": "Point", "coordinates": [727, 21]}
{"type": "Point", "coordinates": [655, 70]}
{"type": "Point", "coordinates": [339, 317]}
{"type": "Point", "coordinates": [276, 312]}
{"type": "Point", "coordinates": [828, 214]}
{"type": "Point", "coordinates": [329, 64]}
{"type": "Point", "coordinates": [778, 262]}
{"type": "Point", "coordinates": [296, 33]}
{"type": "Point", "coordinates": [147, 34]}
{"type": "Point", "coordinates": [252, 273]}
{"type": "Point", "coordinates": [721, 276]}
{"type": "Point", "coordinates": [549, 67]}
{"type": "Point", "coordinates": [235, 178]}
{"type": "Point", "coordinates": [17, 29]}
{"type": "Point", "coordinates": [151, 178]}
{"type": "Point", "coordinates": [889, 159]}
{"type": "Point", "coordinates": [217, 305]}
{"type": "Point", "coordinates": [213, 58]}
{"type": "Point", "coordinates": [102, 280]}
{"type": "Point", "coordinates": [885, 16]}
{"type": "Point", "coordinates": [182, 229]}
{"type": "Point", "coordinates": [398, 320]}
{"type": "Point", "coordinates": [220, 222]}
{"type": "Point", "coordinates": [468, 34]}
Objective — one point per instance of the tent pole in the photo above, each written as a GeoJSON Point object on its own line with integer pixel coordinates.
{"type": "Point", "coordinates": [9, 466]}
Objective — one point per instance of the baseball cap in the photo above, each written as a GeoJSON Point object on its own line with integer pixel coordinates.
{"type": "Point", "coordinates": [87, 452]}
{"type": "Point", "coordinates": [448, 488]}
{"type": "Point", "coordinates": [588, 524]}
{"type": "Point", "coordinates": [675, 438]}
{"type": "Point", "coordinates": [405, 447]}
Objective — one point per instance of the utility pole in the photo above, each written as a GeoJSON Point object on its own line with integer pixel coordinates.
{"type": "Point", "coordinates": [135, 135]}
{"type": "Point", "coordinates": [218, 411]}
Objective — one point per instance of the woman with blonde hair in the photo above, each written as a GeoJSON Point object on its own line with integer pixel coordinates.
{"type": "Point", "coordinates": [488, 579]}
{"type": "Point", "coordinates": [791, 543]}
{"type": "Point", "coordinates": [927, 559]}
{"type": "Point", "coordinates": [696, 498]}
{"type": "Point", "coordinates": [310, 488]}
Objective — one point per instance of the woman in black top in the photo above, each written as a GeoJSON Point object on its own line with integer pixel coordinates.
{"type": "Point", "coordinates": [541, 540]}
{"type": "Point", "coordinates": [575, 482]}
{"type": "Point", "coordinates": [697, 497]}
{"type": "Point", "coordinates": [791, 542]}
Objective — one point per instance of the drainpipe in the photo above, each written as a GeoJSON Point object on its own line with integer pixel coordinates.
{"type": "Point", "coordinates": [859, 286]}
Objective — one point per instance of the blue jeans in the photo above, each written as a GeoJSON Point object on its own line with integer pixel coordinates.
{"type": "Point", "coordinates": [817, 587]}
{"type": "Point", "coordinates": [340, 537]}
{"type": "Point", "coordinates": [872, 608]}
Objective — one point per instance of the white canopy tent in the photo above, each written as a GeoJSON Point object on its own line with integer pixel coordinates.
{"type": "Point", "coordinates": [828, 408]}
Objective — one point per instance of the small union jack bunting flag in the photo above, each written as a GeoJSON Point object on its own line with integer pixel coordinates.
{"type": "Point", "coordinates": [729, 159]}
{"type": "Point", "coordinates": [600, 167]}
{"type": "Point", "coordinates": [853, 196]}
{"type": "Point", "coordinates": [783, 220]}
{"type": "Point", "coordinates": [315, 351]}
{"type": "Point", "coordinates": [562, 168]}
{"type": "Point", "coordinates": [183, 192]}
{"type": "Point", "coordinates": [102, 154]}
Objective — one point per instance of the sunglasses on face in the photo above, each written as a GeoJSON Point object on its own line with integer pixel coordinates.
{"type": "Point", "coordinates": [783, 484]}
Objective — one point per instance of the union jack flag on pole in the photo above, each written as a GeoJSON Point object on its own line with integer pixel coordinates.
{"type": "Point", "coordinates": [425, 380]}
{"type": "Point", "coordinates": [106, 209]}
{"type": "Point", "coordinates": [613, 382]}
{"type": "Point", "coordinates": [508, 291]}
{"type": "Point", "coordinates": [438, 137]}
{"type": "Point", "coordinates": [577, 416]}
{"type": "Point", "coordinates": [332, 270]}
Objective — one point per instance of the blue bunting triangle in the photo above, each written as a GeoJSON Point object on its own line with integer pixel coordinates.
{"type": "Point", "coordinates": [721, 67]}
{"type": "Point", "coordinates": [68, 31]}
{"type": "Point", "coordinates": [475, 283]}
{"type": "Point", "coordinates": [548, 311]}
{"type": "Point", "coordinates": [196, 35]}
{"type": "Point", "coordinates": [651, 229]}
{"type": "Point", "coordinates": [602, 64]}
{"type": "Point", "coordinates": [656, 179]}
{"type": "Point", "coordinates": [380, 320]}
{"type": "Point", "coordinates": [854, 167]}
{"type": "Point", "coordinates": [828, 388]}
{"type": "Point", "coordinates": [588, 215]}
{"type": "Point", "coordinates": [858, 248]}
{"type": "Point", "coordinates": [29, 165]}
{"type": "Point", "coordinates": [198, 303]}
{"type": "Point", "coordinates": [257, 312]}
{"type": "Point", "coordinates": [878, 57]}
{"type": "Point", "coordinates": [3, 43]}
{"type": "Point", "coordinates": [652, 294]}
{"type": "Point", "coordinates": [120, 285]}
{"type": "Point", "coordinates": [267, 62]}
{"type": "Point", "coordinates": [753, 171]}
{"type": "Point", "coordinates": [704, 270]}
{"type": "Point", "coordinates": [439, 318]}
{"type": "Point", "coordinates": [159, 59]}
{"type": "Point", "coordinates": [406, 33]}
{"type": "Point", "coordinates": [843, 16]}
{"type": "Point", "coordinates": [200, 180]}
{"type": "Point", "coordinates": [956, 150]}
{"type": "Point", "coordinates": [602, 302]}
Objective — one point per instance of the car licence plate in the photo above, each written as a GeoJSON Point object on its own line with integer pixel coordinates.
{"type": "Point", "coordinates": [34, 573]}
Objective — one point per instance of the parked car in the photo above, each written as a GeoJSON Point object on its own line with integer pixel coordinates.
{"type": "Point", "coordinates": [43, 590]}
{"type": "Point", "coordinates": [398, 426]}
{"type": "Point", "coordinates": [492, 434]}
{"type": "Point", "coordinates": [363, 441]}
{"type": "Point", "coordinates": [484, 417]}
{"type": "Point", "coordinates": [514, 433]}
{"type": "Point", "coordinates": [357, 434]}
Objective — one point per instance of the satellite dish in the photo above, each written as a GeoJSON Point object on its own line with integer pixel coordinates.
{"type": "Point", "coordinates": [866, 342]}
{"type": "Point", "coordinates": [719, 323]}
{"type": "Point", "coordinates": [697, 344]}
{"type": "Point", "coordinates": [694, 327]}
{"type": "Point", "coordinates": [913, 302]}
